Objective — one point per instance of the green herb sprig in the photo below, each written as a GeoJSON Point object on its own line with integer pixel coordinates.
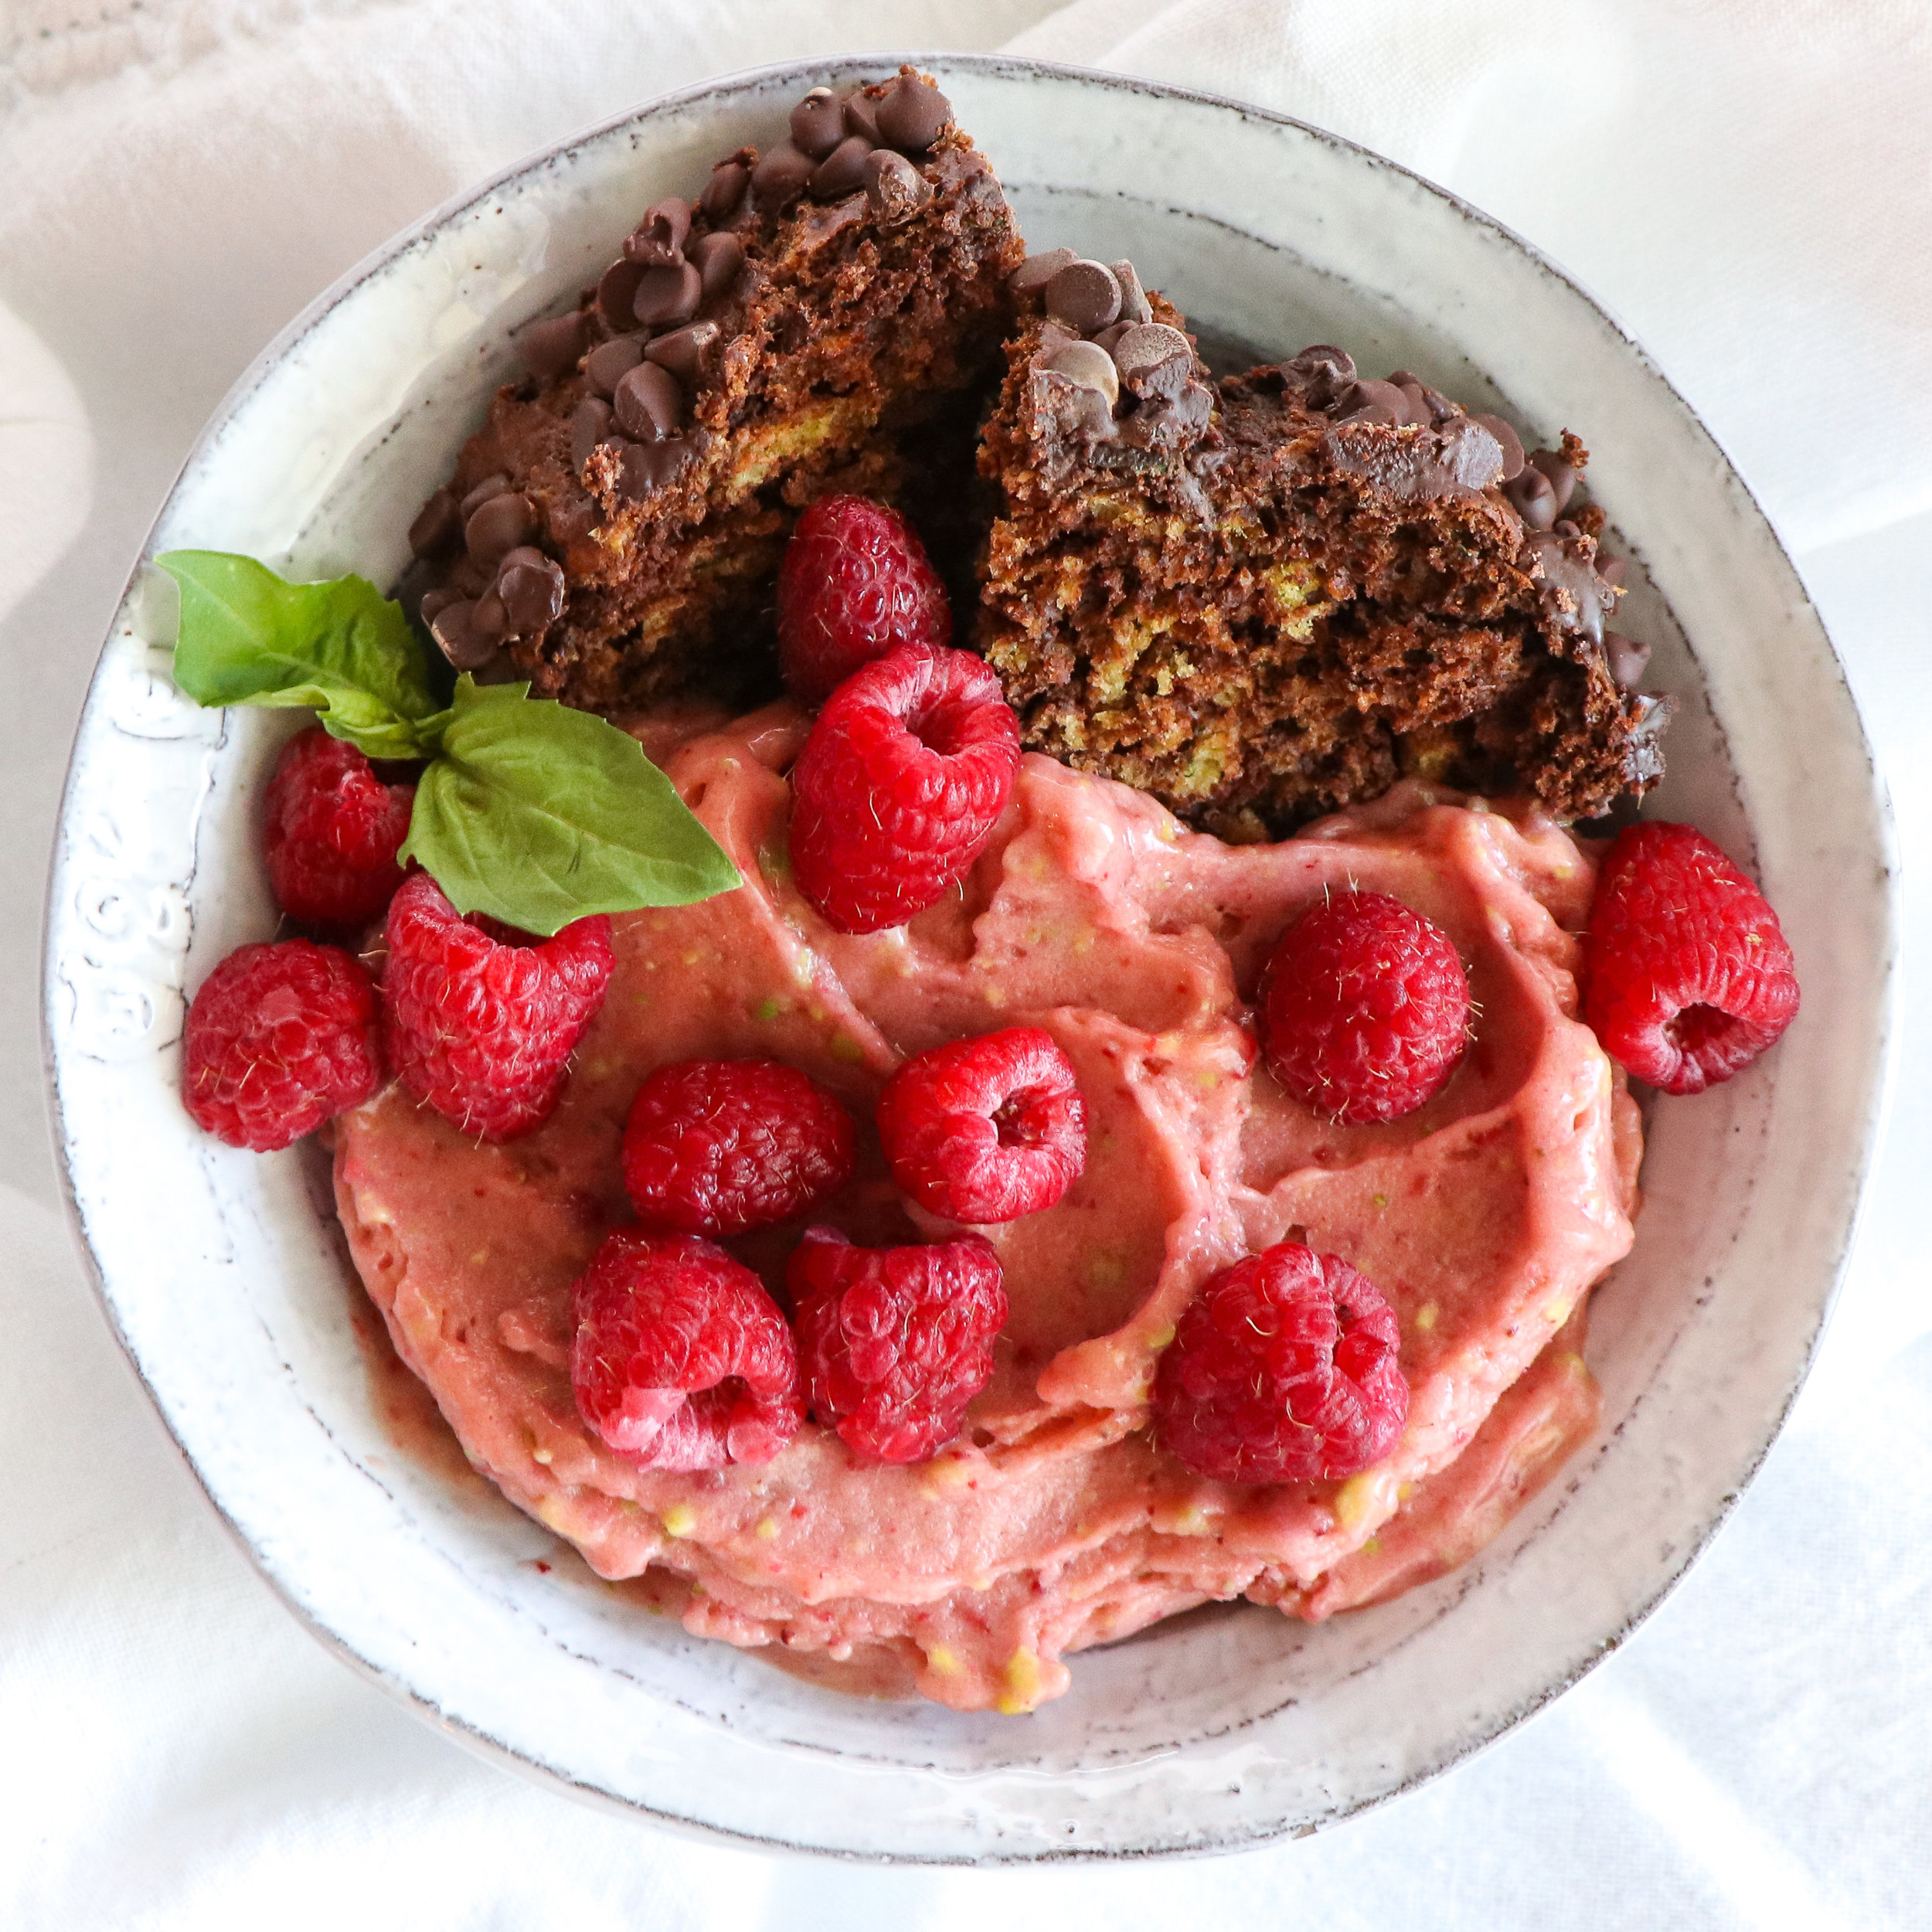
{"type": "Point", "coordinates": [528, 811]}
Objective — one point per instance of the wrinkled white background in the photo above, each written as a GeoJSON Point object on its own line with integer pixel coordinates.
{"type": "Point", "coordinates": [1747, 183]}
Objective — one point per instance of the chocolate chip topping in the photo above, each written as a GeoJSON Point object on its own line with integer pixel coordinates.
{"type": "Point", "coordinates": [610, 362]}
{"type": "Point", "coordinates": [649, 466]}
{"type": "Point", "coordinates": [658, 242]}
{"type": "Point", "coordinates": [1627, 659]}
{"type": "Point", "coordinates": [616, 292]}
{"type": "Point", "coordinates": [913, 114]}
{"type": "Point", "coordinates": [434, 602]}
{"type": "Point", "coordinates": [1084, 296]}
{"type": "Point", "coordinates": [1533, 499]}
{"type": "Point", "coordinates": [1507, 441]}
{"type": "Point", "coordinates": [1134, 306]}
{"type": "Point", "coordinates": [1612, 569]}
{"type": "Point", "coordinates": [489, 619]}
{"type": "Point", "coordinates": [460, 638]}
{"type": "Point", "coordinates": [862, 115]}
{"type": "Point", "coordinates": [1563, 478]}
{"type": "Point", "coordinates": [481, 494]}
{"type": "Point", "coordinates": [1089, 365]}
{"type": "Point", "coordinates": [1153, 358]}
{"type": "Point", "coordinates": [590, 426]}
{"type": "Point", "coordinates": [895, 189]}
{"type": "Point", "coordinates": [436, 525]}
{"type": "Point", "coordinates": [818, 123]}
{"type": "Point", "coordinates": [496, 527]}
{"type": "Point", "coordinates": [530, 587]}
{"type": "Point", "coordinates": [1471, 454]}
{"type": "Point", "coordinates": [648, 404]}
{"type": "Point", "coordinates": [666, 297]}
{"type": "Point", "coordinates": [681, 350]}
{"type": "Point", "coordinates": [725, 190]}
{"type": "Point", "coordinates": [842, 171]}
{"type": "Point", "coordinates": [720, 259]}
{"type": "Point", "coordinates": [779, 179]}
{"type": "Point", "coordinates": [1372, 401]}
{"type": "Point", "coordinates": [1036, 271]}
{"type": "Point", "coordinates": [1327, 373]}
{"type": "Point", "coordinates": [551, 347]}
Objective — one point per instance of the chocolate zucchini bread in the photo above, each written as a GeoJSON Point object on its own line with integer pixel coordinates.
{"type": "Point", "coordinates": [1257, 599]}
{"type": "Point", "coordinates": [613, 532]}
{"type": "Point", "coordinates": [1263, 598]}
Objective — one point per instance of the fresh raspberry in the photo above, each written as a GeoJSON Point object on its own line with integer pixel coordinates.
{"type": "Point", "coordinates": [1687, 975]}
{"type": "Point", "coordinates": [1365, 1009]}
{"type": "Point", "coordinates": [479, 1020]}
{"type": "Point", "coordinates": [334, 827]}
{"type": "Point", "coordinates": [280, 1038]}
{"type": "Point", "coordinates": [854, 583]}
{"type": "Point", "coordinates": [681, 1360]}
{"type": "Point", "coordinates": [895, 1341]}
{"type": "Point", "coordinates": [715, 1147]}
{"type": "Point", "coordinates": [900, 786]}
{"type": "Point", "coordinates": [1282, 1370]}
{"type": "Point", "coordinates": [985, 1129]}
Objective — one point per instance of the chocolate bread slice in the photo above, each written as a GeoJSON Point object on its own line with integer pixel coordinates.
{"type": "Point", "coordinates": [1263, 598]}
{"type": "Point", "coordinates": [825, 312]}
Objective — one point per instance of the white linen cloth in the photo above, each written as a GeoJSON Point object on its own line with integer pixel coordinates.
{"type": "Point", "coordinates": [1748, 184]}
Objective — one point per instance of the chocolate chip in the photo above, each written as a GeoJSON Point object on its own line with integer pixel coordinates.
{"type": "Point", "coordinates": [648, 404]}
{"type": "Point", "coordinates": [1419, 412]}
{"type": "Point", "coordinates": [436, 525]}
{"type": "Point", "coordinates": [1036, 271]}
{"type": "Point", "coordinates": [1107, 338]}
{"type": "Point", "coordinates": [862, 115]}
{"type": "Point", "coordinates": [895, 189]}
{"type": "Point", "coordinates": [1373, 402]}
{"type": "Point", "coordinates": [1471, 455]}
{"type": "Point", "coordinates": [668, 296]}
{"type": "Point", "coordinates": [1628, 660]}
{"type": "Point", "coordinates": [1084, 296]}
{"type": "Point", "coordinates": [649, 466]}
{"type": "Point", "coordinates": [818, 123]}
{"type": "Point", "coordinates": [720, 259]}
{"type": "Point", "coordinates": [681, 350]}
{"type": "Point", "coordinates": [1146, 350]}
{"type": "Point", "coordinates": [913, 115]}
{"type": "Point", "coordinates": [842, 171]}
{"type": "Point", "coordinates": [481, 494]}
{"type": "Point", "coordinates": [502, 669]}
{"type": "Point", "coordinates": [490, 619]}
{"type": "Point", "coordinates": [616, 292]}
{"type": "Point", "coordinates": [589, 427]}
{"type": "Point", "coordinates": [724, 191]}
{"type": "Point", "coordinates": [496, 527]}
{"type": "Point", "coordinates": [1324, 359]}
{"type": "Point", "coordinates": [531, 587]}
{"type": "Point", "coordinates": [458, 637]}
{"type": "Point", "coordinates": [1563, 478]}
{"type": "Point", "coordinates": [1613, 570]}
{"type": "Point", "coordinates": [1508, 441]}
{"type": "Point", "coordinates": [551, 347]}
{"type": "Point", "coordinates": [1134, 306]}
{"type": "Point", "coordinates": [779, 179]}
{"type": "Point", "coordinates": [1534, 500]}
{"type": "Point", "coordinates": [434, 603]}
{"type": "Point", "coordinates": [609, 362]}
{"type": "Point", "coordinates": [659, 240]}
{"type": "Point", "coordinates": [1089, 365]}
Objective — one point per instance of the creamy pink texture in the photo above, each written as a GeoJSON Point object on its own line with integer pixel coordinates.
{"type": "Point", "coordinates": [1053, 1522]}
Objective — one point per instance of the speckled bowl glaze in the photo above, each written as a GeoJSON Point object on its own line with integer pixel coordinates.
{"type": "Point", "coordinates": [224, 1276]}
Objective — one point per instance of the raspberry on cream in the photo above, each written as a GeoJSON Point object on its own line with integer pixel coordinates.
{"type": "Point", "coordinates": [1056, 1519]}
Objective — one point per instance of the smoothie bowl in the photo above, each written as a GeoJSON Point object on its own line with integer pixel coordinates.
{"type": "Point", "coordinates": [232, 1277]}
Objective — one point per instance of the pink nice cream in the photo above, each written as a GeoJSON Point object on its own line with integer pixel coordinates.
{"type": "Point", "coordinates": [1055, 1520]}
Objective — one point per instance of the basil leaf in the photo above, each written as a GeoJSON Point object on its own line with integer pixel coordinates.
{"type": "Point", "coordinates": [341, 649]}
{"type": "Point", "coordinates": [538, 815]}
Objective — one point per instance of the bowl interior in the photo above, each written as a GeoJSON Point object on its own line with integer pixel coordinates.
{"type": "Point", "coordinates": [229, 1285]}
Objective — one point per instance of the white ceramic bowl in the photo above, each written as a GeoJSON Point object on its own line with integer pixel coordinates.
{"type": "Point", "coordinates": [224, 1276]}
